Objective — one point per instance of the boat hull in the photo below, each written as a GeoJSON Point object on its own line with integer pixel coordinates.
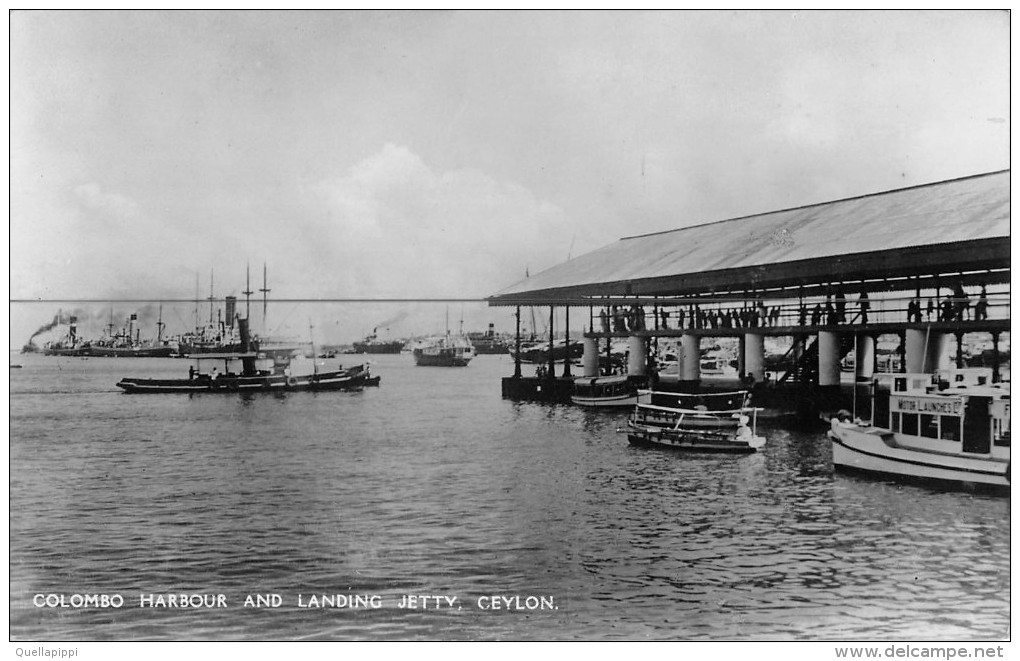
{"type": "Point", "coordinates": [876, 451]}
{"type": "Point", "coordinates": [378, 347]}
{"type": "Point", "coordinates": [607, 401]}
{"type": "Point", "coordinates": [343, 380]}
{"type": "Point", "coordinates": [692, 440]}
{"type": "Point", "coordinates": [423, 359]}
{"type": "Point", "coordinates": [114, 352]}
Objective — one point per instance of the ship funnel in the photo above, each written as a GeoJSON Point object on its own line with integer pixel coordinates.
{"type": "Point", "coordinates": [231, 304]}
{"type": "Point", "coordinates": [242, 327]}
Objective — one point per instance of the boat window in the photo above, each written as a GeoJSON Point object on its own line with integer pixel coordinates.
{"type": "Point", "coordinates": [950, 428]}
{"type": "Point", "coordinates": [910, 424]}
{"type": "Point", "coordinates": [900, 385]}
{"type": "Point", "coordinates": [929, 426]}
{"type": "Point", "coordinates": [894, 422]}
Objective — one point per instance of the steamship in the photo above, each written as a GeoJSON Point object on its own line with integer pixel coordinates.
{"type": "Point", "coordinates": [372, 344]}
{"type": "Point", "coordinates": [126, 343]}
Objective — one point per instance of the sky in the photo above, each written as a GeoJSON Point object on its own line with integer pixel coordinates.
{"type": "Point", "coordinates": [445, 154]}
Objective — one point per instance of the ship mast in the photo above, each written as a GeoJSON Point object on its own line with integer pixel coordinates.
{"type": "Point", "coordinates": [196, 302]}
{"type": "Point", "coordinates": [159, 325]}
{"type": "Point", "coordinates": [247, 291]}
{"type": "Point", "coordinates": [265, 298]}
{"type": "Point", "coordinates": [212, 299]}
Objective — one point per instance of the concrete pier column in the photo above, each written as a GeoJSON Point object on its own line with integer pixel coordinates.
{"type": "Point", "coordinates": [996, 376]}
{"type": "Point", "coordinates": [926, 351]}
{"type": "Point", "coordinates": [914, 344]}
{"type": "Point", "coordinates": [865, 357]}
{"type": "Point", "coordinates": [690, 357]}
{"type": "Point", "coordinates": [938, 352]}
{"type": "Point", "coordinates": [636, 358]}
{"type": "Point", "coordinates": [828, 358]}
{"type": "Point", "coordinates": [590, 360]}
{"type": "Point", "coordinates": [754, 356]}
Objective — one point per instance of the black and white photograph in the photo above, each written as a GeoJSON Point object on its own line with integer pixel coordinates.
{"type": "Point", "coordinates": [461, 326]}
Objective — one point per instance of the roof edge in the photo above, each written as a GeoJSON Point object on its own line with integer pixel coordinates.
{"type": "Point", "coordinates": [816, 204]}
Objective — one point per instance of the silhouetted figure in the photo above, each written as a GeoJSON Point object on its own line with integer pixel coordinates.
{"type": "Point", "coordinates": [981, 308]}
{"type": "Point", "coordinates": [914, 311]}
{"type": "Point", "coordinates": [930, 309]}
{"type": "Point", "coordinates": [946, 309]}
{"type": "Point", "coordinates": [830, 312]}
{"type": "Point", "coordinates": [840, 306]}
{"type": "Point", "coordinates": [865, 304]}
{"type": "Point", "coordinates": [961, 302]}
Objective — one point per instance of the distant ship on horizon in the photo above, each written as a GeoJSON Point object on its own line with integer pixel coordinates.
{"type": "Point", "coordinates": [372, 344]}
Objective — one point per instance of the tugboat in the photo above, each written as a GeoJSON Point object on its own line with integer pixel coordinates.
{"type": "Point", "coordinates": [248, 370]}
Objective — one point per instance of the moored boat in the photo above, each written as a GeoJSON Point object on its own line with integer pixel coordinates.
{"type": "Point", "coordinates": [723, 422]}
{"type": "Point", "coordinates": [607, 391]}
{"type": "Point", "coordinates": [538, 352]}
{"type": "Point", "coordinates": [946, 433]}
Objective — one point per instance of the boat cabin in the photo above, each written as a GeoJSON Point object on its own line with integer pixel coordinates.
{"type": "Point", "coordinates": [604, 386]}
{"type": "Point", "coordinates": [212, 365]}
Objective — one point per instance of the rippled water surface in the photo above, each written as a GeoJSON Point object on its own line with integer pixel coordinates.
{"type": "Point", "coordinates": [433, 485]}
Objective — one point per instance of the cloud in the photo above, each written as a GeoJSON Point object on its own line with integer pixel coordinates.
{"type": "Point", "coordinates": [399, 227]}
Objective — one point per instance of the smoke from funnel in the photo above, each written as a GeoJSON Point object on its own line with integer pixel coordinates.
{"type": "Point", "coordinates": [392, 320]}
{"type": "Point", "coordinates": [61, 318]}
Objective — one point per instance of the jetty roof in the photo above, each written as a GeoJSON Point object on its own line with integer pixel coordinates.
{"type": "Point", "coordinates": [955, 226]}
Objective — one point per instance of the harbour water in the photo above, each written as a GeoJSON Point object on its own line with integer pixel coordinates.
{"type": "Point", "coordinates": [432, 484]}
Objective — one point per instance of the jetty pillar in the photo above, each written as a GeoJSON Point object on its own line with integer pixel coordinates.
{"type": "Point", "coordinates": [864, 361]}
{"type": "Point", "coordinates": [637, 364]}
{"type": "Point", "coordinates": [996, 376]}
{"type": "Point", "coordinates": [516, 351]}
{"type": "Point", "coordinates": [566, 340]}
{"type": "Point", "coordinates": [552, 344]}
{"type": "Point", "coordinates": [828, 358]}
{"type": "Point", "coordinates": [741, 361]}
{"type": "Point", "coordinates": [938, 357]}
{"type": "Point", "coordinates": [925, 351]}
{"type": "Point", "coordinates": [754, 356]}
{"type": "Point", "coordinates": [590, 360]}
{"type": "Point", "coordinates": [690, 357]}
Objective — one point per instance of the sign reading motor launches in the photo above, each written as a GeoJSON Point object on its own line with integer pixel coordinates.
{"type": "Point", "coordinates": [934, 405]}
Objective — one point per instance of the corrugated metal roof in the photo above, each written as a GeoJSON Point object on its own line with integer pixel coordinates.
{"type": "Point", "coordinates": [959, 210]}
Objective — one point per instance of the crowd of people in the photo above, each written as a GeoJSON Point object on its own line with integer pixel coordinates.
{"type": "Point", "coordinates": [837, 309]}
{"type": "Point", "coordinates": [954, 307]}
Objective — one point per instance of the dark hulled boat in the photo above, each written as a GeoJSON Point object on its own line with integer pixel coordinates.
{"type": "Point", "coordinates": [250, 371]}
